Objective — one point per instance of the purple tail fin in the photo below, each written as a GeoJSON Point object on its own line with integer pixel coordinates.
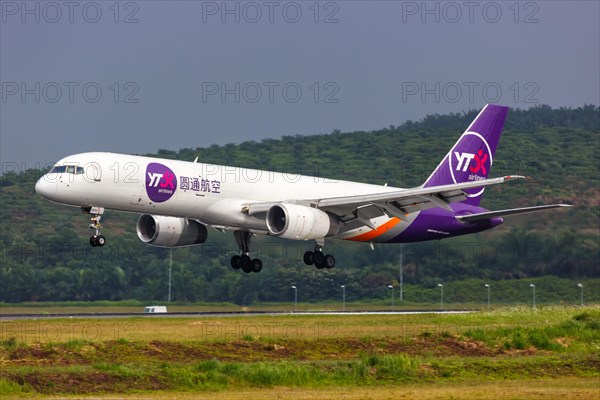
{"type": "Point", "coordinates": [472, 155]}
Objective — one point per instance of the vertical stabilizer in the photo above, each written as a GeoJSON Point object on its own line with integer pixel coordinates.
{"type": "Point", "coordinates": [472, 156]}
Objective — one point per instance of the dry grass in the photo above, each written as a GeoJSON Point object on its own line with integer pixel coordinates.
{"type": "Point", "coordinates": [231, 328]}
{"type": "Point", "coordinates": [565, 389]}
{"type": "Point", "coordinates": [558, 388]}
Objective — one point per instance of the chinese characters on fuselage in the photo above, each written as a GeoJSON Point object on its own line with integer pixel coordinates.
{"type": "Point", "coordinates": [199, 185]}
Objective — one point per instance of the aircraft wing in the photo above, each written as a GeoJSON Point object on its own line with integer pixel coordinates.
{"type": "Point", "coordinates": [395, 203]}
{"type": "Point", "coordinates": [503, 213]}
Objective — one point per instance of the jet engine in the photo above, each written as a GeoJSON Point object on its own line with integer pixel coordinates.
{"type": "Point", "coordinates": [170, 231]}
{"type": "Point", "coordinates": [292, 221]}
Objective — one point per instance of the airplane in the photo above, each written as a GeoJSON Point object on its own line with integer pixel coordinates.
{"type": "Point", "coordinates": [178, 200]}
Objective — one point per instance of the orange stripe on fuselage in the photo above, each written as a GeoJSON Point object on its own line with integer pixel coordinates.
{"type": "Point", "coordinates": [368, 236]}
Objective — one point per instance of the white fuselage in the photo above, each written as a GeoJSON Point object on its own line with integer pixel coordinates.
{"type": "Point", "coordinates": [211, 194]}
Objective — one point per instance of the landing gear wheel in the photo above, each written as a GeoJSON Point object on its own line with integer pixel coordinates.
{"type": "Point", "coordinates": [319, 259]}
{"type": "Point", "coordinates": [97, 241]}
{"type": "Point", "coordinates": [247, 268]}
{"type": "Point", "coordinates": [329, 261]}
{"type": "Point", "coordinates": [256, 265]}
{"type": "Point", "coordinates": [309, 258]}
{"type": "Point", "coordinates": [100, 240]}
{"type": "Point", "coordinates": [245, 263]}
{"type": "Point", "coordinates": [235, 262]}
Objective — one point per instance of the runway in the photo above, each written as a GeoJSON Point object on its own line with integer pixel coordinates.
{"type": "Point", "coordinates": [219, 314]}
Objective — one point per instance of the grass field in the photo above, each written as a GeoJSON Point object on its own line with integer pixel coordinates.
{"type": "Point", "coordinates": [551, 352]}
{"type": "Point", "coordinates": [555, 388]}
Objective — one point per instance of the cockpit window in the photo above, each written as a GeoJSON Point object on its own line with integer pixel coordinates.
{"type": "Point", "coordinates": [70, 169]}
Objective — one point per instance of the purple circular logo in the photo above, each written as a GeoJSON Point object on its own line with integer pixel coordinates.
{"type": "Point", "coordinates": [470, 160]}
{"type": "Point", "coordinates": [161, 182]}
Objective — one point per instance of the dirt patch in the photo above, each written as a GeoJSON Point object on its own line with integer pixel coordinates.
{"type": "Point", "coordinates": [45, 354]}
{"type": "Point", "coordinates": [564, 341]}
{"type": "Point", "coordinates": [245, 350]}
{"type": "Point", "coordinates": [86, 382]}
{"type": "Point", "coordinates": [464, 347]}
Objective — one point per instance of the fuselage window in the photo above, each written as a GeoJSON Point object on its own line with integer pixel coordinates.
{"type": "Point", "coordinates": [79, 171]}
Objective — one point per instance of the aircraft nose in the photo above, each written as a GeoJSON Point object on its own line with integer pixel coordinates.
{"type": "Point", "coordinates": [45, 188]}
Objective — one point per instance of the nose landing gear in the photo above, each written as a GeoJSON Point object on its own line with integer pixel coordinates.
{"type": "Point", "coordinates": [96, 240]}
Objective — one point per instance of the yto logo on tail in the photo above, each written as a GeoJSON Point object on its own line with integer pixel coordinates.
{"type": "Point", "coordinates": [161, 182]}
{"type": "Point", "coordinates": [464, 161]}
{"type": "Point", "coordinates": [480, 159]}
{"type": "Point", "coordinates": [461, 157]}
{"type": "Point", "coordinates": [471, 160]}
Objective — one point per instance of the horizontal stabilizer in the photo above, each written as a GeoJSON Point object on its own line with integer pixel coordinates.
{"type": "Point", "coordinates": [503, 213]}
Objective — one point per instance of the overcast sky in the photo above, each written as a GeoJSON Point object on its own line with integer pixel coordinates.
{"type": "Point", "coordinates": [143, 75]}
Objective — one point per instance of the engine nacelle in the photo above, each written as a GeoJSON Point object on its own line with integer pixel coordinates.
{"type": "Point", "coordinates": [292, 221]}
{"type": "Point", "coordinates": [163, 231]}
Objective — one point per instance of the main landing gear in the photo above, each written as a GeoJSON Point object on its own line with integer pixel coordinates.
{"type": "Point", "coordinates": [96, 240]}
{"type": "Point", "coordinates": [247, 264]}
{"type": "Point", "coordinates": [244, 261]}
{"type": "Point", "coordinates": [318, 258]}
